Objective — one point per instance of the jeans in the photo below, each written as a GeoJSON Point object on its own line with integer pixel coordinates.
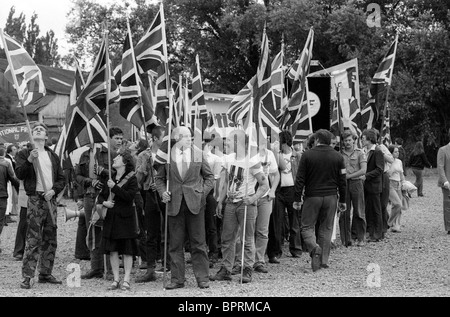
{"type": "Point", "coordinates": [3, 205]}
{"type": "Point", "coordinates": [264, 207]}
{"type": "Point", "coordinates": [419, 180]}
{"type": "Point", "coordinates": [384, 199]}
{"type": "Point", "coordinates": [323, 211]}
{"type": "Point", "coordinates": [233, 220]}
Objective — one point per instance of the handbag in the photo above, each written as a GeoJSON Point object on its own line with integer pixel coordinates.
{"type": "Point", "coordinates": [408, 187]}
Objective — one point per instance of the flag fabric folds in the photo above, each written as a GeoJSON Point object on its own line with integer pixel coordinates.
{"type": "Point", "coordinates": [151, 49]}
{"type": "Point", "coordinates": [135, 104]}
{"type": "Point", "coordinates": [296, 117]}
{"type": "Point", "coordinates": [28, 80]}
{"type": "Point", "coordinates": [241, 102]}
{"type": "Point", "coordinates": [378, 86]}
{"type": "Point", "coordinates": [198, 103]}
{"type": "Point", "coordinates": [278, 87]}
{"type": "Point", "coordinates": [100, 88]}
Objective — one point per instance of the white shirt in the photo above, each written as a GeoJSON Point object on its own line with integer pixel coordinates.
{"type": "Point", "coordinates": [286, 178]}
{"type": "Point", "coordinates": [269, 165]}
{"type": "Point", "coordinates": [47, 171]}
{"type": "Point", "coordinates": [182, 155]}
{"type": "Point", "coordinates": [215, 162]}
{"type": "Point", "coordinates": [239, 180]}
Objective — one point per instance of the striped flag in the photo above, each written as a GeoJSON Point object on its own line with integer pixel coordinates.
{"type": "Point", "coordinates": [94, 132]}
{"type": "Point", "coordinates": [151, 49]}
{"type": "Point", "coordinates": [241, 102]}
{"type": "Point", "coordinates": [198, 103]}
{"type": "Point", "coordinates": [134, 100]}
{"type": "Point", "coordinates": [298, 91]}
{"type": "Point", "coordinates": [264, 112]}
{"type": "Point", "coordinates": [92, 101]}
{"type": "Point", "coordinates": [378, 86]}
{"type": "Point", "coordinates": [22, 72]}
{"type": "Point", "coordinates": [278, 78]}
{"type": "Point", "coordinates": [296, 117]}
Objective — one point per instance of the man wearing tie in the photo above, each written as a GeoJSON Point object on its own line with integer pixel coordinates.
{"type": "Point", "coordinates": [190, 180]}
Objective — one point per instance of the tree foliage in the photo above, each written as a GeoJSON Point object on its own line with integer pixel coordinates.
{"type": "Point", "coordinates": [43, 49]}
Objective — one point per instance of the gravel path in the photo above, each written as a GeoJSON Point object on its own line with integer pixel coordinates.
{"type": "Point", "coordinates": [413, 263]}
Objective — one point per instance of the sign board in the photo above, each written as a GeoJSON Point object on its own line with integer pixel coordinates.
{"type": "Point", "coordinates": [14, 134]}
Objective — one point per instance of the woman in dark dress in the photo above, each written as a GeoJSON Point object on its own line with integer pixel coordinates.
{"type": "Point", "coordinates": [119, 226]}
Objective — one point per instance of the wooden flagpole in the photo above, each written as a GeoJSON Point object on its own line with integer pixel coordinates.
{"type": "Point", "coordinates": [247, 163]}
{"type": "Point", "coordinates": [36, 164]}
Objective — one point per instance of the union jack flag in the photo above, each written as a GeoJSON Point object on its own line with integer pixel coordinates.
{"type": "Point", "coordinates": [100, 91]}
{"type": "Point", "coordinates": [381, 80]}
{"type": "Point", "coordinates": [22, 72]}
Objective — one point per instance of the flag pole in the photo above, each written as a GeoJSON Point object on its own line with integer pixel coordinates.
{"type": "Point", "coordinates": [36, 163]}
{"type": "Point", "coordinates": [388, 89]}
{"type": "Point", "coordinates": [108, 124]}
{"type": "Point", "coordinates": [168, 84]}
{"type": "Point", "coordinates": [247, 163]}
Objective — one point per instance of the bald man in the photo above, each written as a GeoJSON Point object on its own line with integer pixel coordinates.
{"type": "Point", "coordinates": [190, 180]}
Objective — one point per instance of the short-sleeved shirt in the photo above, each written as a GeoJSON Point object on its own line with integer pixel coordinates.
{"type": "Point", "coordinates": [238, 179]}
{"type": "Point", "coordinates": [215, 162]}
{"type": "Point", "coordinates": [354, 160]}
{"type": "Point", "coordinates": [269, 165]}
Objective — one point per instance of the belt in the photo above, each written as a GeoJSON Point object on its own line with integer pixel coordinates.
{"type": "Point", "coordinates": [354, 179]}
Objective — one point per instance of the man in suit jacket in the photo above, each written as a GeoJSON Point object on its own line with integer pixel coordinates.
{"type": "Point", "coordinates": [373, 185]}
{"type": "Point", "coordinates": [190, 180]}
{"type": "Point", "coordinates": [443, 167]}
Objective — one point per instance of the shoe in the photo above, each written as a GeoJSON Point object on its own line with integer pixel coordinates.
{"type": "Point", "coordinates": [261, 269]}
{"type": "Point", "coordinates": [274, 260]}
{"type": "Point", "coordinates": [236, 270]}
{"type": "Point", "coordinates": [448, 232]}
{"type": "Point", "coordinates": [143, 266]}
{"type": "Point", "coordinates": [421, 195]}
{"type": "Point", "coordinates": [324, 266]}
{"type": "Point", "coordinates": [174, 285]}
{"type": "Point", "coordinates": [373, 240]}
{"type": "Point", "coordinates": [149, 276]}
{"type": "Point", "coordinates": [125, 286]}
{"type": "Point", "coordinates": [48, 279]}
{"type": "Point", "coordinates": [222, 275]}
{"type": "Point", "coordinates": [161, 270]}
{"type": "Point", "coordinates": [26, 283]}
{"type": "Point", "coordinates": [203, 284]}
{"type": "Point", "coordinates": [92, 274]}
{"type": "Point", "coordinates": [296, 254]}
{"type": "Point", "coordinates": [396, 230]}
{"type": "Point", "coordinates": [109, 276]}
{"type": "Point", "coordinates": [315, 258]}
{"type": "Point", "coordinates": [18, 257]}
{"type": "Point", "coordinates": [247, 275]}
{"type": "Point", "coordinates": [360, 244]}
{"type": "Point", "coordinates": [115, 285]}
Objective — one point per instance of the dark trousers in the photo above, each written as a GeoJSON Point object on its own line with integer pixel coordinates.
{"type": "Point", "coordinates": [211, 225]}
{"type": "Point", "coordinates": [185, 222]}
{"type": "Point", "coordinates": [3, 205]}
{"type": "Point", "coordinates": [81, 249]}
{"type": "Point", "coordinates": [384, 199]}
{"type": "Point", "coordinates": [320, 210]}
{"type": "Point", "coordinates": [155, 211]}
{"type": "Point", "coordinates": [276, 230]}
{"type": "Point", "coordinates": [374, 216]}
{"type": "Point", "coordinates": [21, 234]}
{"type": "Point", "coordinates": [285, 197]}
{"type": "Point", "coordinates": [139, 202]}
